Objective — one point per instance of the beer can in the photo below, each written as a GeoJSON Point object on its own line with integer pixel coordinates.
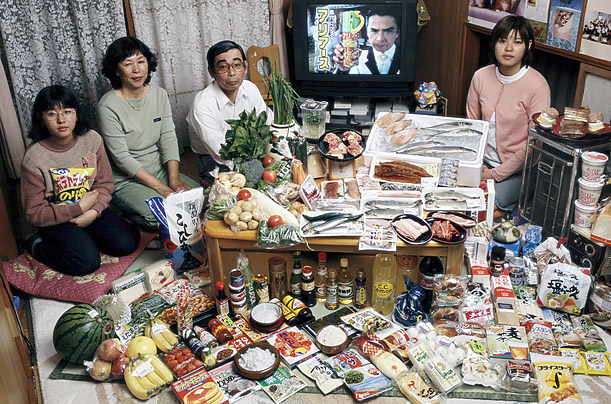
{"type": "Point", "coordinates": [236, 278]}
{"type": "Point", "coordinates": [261, 288]}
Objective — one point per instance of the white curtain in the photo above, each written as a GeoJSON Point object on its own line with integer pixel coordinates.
{"type": "Point", "coordinates": [58, 42]}
{"type": "Point", "coordinates": [277, 34]}
{"type": "Point", "coordinates": [182, 31]}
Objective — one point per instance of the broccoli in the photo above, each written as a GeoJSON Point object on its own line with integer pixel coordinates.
{"type": "Point", "coordinates": [253, 171]}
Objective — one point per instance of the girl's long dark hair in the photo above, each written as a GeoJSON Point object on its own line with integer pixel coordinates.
{"type": "Point", "coordinates": [49, 98]}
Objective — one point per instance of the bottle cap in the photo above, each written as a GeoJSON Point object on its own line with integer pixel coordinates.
{"type": "Point", "coordinates": [307, 270]}
{"type": "Point", "coordinates": [360, 271]}
{"type": "Point", "coordinates": [277, 264]}
{"type": "Point", "coordinates": [322, 256]}
{"type": "Point", "coordinates": [343, 262]}
{"type": "Point", "coordinates": [497, 253]}
{"type": "Point", "coordinates": [220, 285]}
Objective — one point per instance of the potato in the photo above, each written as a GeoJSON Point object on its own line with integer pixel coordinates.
{"type": "Point", "coordinates": [236, 209]}
{"type": "Point", "coordinates": [226, 183]}
{"type": "Point", "coordinates": [246, 216]}
{"type": "Point", "coordinates": [239, 203]}
{"type": "Point", "coordinates": [241, 225]}
{"type": "Point", "coordinates": [247, 206]}
{"type": "Point", "coordinates": [253, 224]}
{"type": "Point", "coordinates": [256, 215]}
{"type": "Point", "coordinates": [231, 218]}
{"type": "Point", "coordinates": [223, 177]}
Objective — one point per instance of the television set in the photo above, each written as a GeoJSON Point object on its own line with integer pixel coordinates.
{"type": "Point", "coordinates": [377, 40]}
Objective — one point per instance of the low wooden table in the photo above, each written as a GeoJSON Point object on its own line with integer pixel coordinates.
{"type": "Point", "coordinates": [221, 241]}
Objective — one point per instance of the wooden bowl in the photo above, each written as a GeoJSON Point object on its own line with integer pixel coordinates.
{"type": "Point", "coordinates": [272, 311]}
{"type": "Point", "coordinates": [332, 349]}
{"type": "Point", "coordinates": [256, 374]}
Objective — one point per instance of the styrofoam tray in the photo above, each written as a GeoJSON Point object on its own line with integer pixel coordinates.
{"type": "Point", "coordinates": [469, 173]}
{"type": "Point", "coordinates": [478, 202]}
{"type": "Point", "coordinates": [354, 229]}
{"type": "Point", "coordinates": [402, 206]}
{"type": "Point", "coordinates": [431, 167]}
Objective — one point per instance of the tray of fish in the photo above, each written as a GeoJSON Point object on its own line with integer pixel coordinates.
{"type": "Point", "coordinates": [421, 138]}
{"type": "Point", "coordinates": [329, 224]}
{"type": "Point", "coordinates": [390, 207]}
{"type": "Point", "coordinates": [453, 199]}
{"type": "Point", "coordinates": [399, 170]}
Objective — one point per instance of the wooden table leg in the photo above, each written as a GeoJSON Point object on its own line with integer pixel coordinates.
{"type": "Point", "coordinates": [215, 259]}
{"type": "Point", "coordinates": [454, 260]}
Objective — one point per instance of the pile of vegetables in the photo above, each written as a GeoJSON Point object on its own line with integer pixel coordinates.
{"type": "Point", "coordinates": [244, 215]}
{"type": "Point", "coordinates": [247, 137]}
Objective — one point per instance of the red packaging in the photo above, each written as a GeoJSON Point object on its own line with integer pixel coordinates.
{"type": "Point", "coordinates": [198, 388]}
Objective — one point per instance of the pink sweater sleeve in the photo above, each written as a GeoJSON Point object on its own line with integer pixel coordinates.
{"type": "Point", "coordinates": [39, 211]}
{"type": "Point", "coordinates": [474, 109]}
{"type": "Point", "coordinates": [104, 182]}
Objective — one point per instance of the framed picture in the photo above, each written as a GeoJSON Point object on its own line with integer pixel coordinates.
{"type": "Point", "coordinates": [596, 33]}
{"type": "Point", "coordinates": [593, 89]}
{"type": "Point", "coordinates": [563, 23]}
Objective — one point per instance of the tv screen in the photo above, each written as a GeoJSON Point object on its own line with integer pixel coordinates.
{"type": "Point", "coordinates": [354, 48]}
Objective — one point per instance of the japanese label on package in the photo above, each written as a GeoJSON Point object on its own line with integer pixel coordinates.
{"type": "Point", "coordinates": [541, 337]}
{"type": "Point", "coordinates": [579, 366]}
{"type": "Point", "coordinates": [564, 287]}
{"type": "Point", "coordinates": [198, 388]}
{"type": "Point", "coordinates": [370, 320]}
{"type": "Point", "coordinates": [158, 274]}
{"type": "Point", "coordinates": [318, 370]}
{"type": "Point", "coordinates": [507, 341]}
{"type": "Point", "coordinates": [293, 345]}
{"type": "Point", "coordinates": [232, 384]}
{"type": "Point", "coordinates": [591, 340]}
{"type": "Point", "coordinates": [70, 184]}
{"type": "Point", "coordinates": [281, 384]}
{"type": "Point", "coordinates": [556, 383]}
{"type": "Point", "coordinates": [361, 377]}
{"type": "Point", "coordinates": [233, 329]}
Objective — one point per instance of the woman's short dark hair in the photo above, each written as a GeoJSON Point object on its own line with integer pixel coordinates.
{"type": "Point", "coordinates": [49, 98]}
{"type": "Point", "coordinates": [222, 47]}
{"type": "Point", "coordinates": [519, 25]}
{"type": "Point", "coordinates": [121, 49]}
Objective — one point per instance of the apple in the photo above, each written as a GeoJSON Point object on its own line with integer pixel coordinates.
{"type": "Point", "coordinates": [118, 366]}
{"type": "Point", "coordinates": [110, 349]}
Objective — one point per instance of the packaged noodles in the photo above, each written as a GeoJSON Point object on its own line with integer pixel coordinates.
{"type": "Point", "coordinates": [596, 363]}
{"type": "Point", "coordinates": [555, 380]}
{"type": "Point", "coordinates": [564, 287]}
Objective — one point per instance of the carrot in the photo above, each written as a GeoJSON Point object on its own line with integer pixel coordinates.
{"type": "Point", "coordinates": [299, 174]}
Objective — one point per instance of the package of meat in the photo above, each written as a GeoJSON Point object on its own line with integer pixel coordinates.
{"type": "Point", "coordinates": [351, 187]}
{"type": "Point", "coordinates": [332, 189]}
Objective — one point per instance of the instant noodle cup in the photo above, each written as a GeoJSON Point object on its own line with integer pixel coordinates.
{"type": "Point", "coordinates": [593, 165]}
{"type": "Point", "coordinates": [584, 214]}
{"type": "Point", "coordinates": [589, 191]}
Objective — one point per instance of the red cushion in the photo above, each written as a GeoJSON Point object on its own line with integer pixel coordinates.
{"type": "Point", "coordinates": [35, 278]}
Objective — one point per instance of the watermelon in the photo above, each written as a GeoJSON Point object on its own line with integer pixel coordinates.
{"type": "Point", "coordinates": [80, 330]}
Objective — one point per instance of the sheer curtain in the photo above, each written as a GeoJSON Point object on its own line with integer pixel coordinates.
{"type": "Point", "coordinates": [182, 31]}
{"type": "Point", "coordinates": [58, 42]}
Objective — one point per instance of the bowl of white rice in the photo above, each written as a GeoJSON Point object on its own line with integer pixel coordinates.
{"type": "Point", "coordinates": [257, 360]}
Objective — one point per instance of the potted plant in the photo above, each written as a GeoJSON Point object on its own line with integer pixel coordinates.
{"type": "Point", "coordinates": [285, 100]}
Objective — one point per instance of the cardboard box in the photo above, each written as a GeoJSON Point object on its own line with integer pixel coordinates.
{"type": "Point", "coordinates": [506, 313]}
{"type": "Point", "coordinates": [198, 388]}
{"type": "Point", "coordinates": [480, 272]}
{"type": "Point", "coordinates": [502, 290]}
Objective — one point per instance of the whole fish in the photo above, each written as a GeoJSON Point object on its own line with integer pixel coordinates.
{"type": "Point", "coordinates": [333, 223]}
{"type": "Point", "coordinates": [447, 126]}
{"type": "Point", "coordinates": [432, 150]}
{"type": "Point", "coordinates": [467, 132]}
{"type": "Point", "coordinates": [384, 212]}
{"type": "Point", "coordinates": [395, 203]}
{"type": "Point", "coordinates": [323, 218]}
{"type": "Point", "coordinates": [406, 148]}
{"type": "Point", "coordinates": [449, 195]}
{"type": "Point", "coordinates": [445, 203]}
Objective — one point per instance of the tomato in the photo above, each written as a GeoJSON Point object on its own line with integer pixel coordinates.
{"type": "Point", "coordinates": [244, 195]}
{"type": "Point", "coordinates": [268, 160]}
{"type": "Point", "coordinates": [269, 176]}
{"type": "Point", "coordinates": [274, 221]}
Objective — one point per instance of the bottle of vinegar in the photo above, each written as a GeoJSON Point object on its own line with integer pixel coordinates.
{"type": "Point", "coordinates": [384, 278]}
{"type": "Point", "coordinates": [331, 302]}
{"type": "Point", "coordinates": [345, 287]}
{"type": "Point", "coordinates": [321, 278]}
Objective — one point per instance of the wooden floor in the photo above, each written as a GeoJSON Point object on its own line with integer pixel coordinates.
{"type": "Point", "coordinates": [188, 166]}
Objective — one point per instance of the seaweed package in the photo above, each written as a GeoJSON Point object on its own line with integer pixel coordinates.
{"type": "Point", "coordinates": [555, 381]}
{"type": "Point", "coordinates": [564, 287]}
{"type": "Point", "coordinates": [361, 377]}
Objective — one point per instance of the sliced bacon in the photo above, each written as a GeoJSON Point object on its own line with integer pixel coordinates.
{"type": "Point", "coordinates": [410, 229]}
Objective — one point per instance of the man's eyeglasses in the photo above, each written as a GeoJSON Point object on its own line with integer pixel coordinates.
{"type": "Point", "coordinates": [224, 67]}
{"type": "Point", "coordinates": [66, 113]}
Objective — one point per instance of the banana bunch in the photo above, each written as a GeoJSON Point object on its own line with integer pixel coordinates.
{"type": "Point", "coordinates": [159, 332]}
{"type": "Point", "coordinates": [146, 376]}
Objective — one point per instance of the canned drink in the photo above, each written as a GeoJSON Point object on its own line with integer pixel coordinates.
{"type": "Point", "coordinates": [517, 271]}
{"type": "Point", "coordinates": [261, 288]}
{"type": "Point", "coordinates": [236, 278]}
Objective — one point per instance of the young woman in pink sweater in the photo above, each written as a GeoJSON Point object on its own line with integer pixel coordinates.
{"type": "Point", "coordinates": [507, 93]}
{"type": "Point", "coordinates": [66, 184]}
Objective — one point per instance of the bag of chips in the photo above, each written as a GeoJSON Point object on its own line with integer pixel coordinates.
{"type": "Point", "coordinates": [70, 184]}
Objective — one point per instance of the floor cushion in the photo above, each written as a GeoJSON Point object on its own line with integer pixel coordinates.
{"type": "Point", "coordinates": [29, 275]}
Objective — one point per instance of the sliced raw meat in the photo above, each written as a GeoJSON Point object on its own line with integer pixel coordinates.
{"type": "Point", "coordinates": [444, 230]}
{"type": "Point", "coordinates": [352, 137]}
{"type": "Point", "coordinates": [337, 150]}
{"type": "Point", "coordinates": [331, 190]}
{"type": "Point", "coordinates": [454, 219]}
{"type": "Point", "coordinates": [410, 229]}
{"type": "Point", "coordinates": [332, 139]}
{"type": "Point", "coordinates": [352, 188]}
{"type": "Point", "coordinates": [355, 149]}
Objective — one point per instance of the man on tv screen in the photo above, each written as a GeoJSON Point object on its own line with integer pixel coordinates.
{"type": "Point", "coordinates": [382, 56]}
{"type": "Point", "coordinates": [227, 96]}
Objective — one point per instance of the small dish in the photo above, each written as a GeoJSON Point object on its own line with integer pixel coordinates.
{"type": "Point", "coordinates": [332, 349]}
{"type": "Point", "coordinates": [266, 317]}
{"type": "Point", "coordinates": [455, 239]}
{"type": "Point", "coordinates": [422, 239]}
{"type": "Point", "coordinates": [256, 374]}
{"type": "Point", "coordinates": [547, 128]}
{"type": "Point", "coordinates": [323, 147]}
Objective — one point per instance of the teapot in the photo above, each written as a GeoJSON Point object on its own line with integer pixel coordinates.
{"type": "Point", "coordinates": [506, 232]}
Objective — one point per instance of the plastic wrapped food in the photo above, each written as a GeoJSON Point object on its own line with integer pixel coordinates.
{"type": "Point", "coordinates": [443, 376]}
{"type": "Point", "coordinates": [283, 235]}
{"type": "Point", "coordinates": [318, 370]}
{"type": "Point", "coordinates": [408, 309]}
{"type": "Point", "coordinates": [591, 340]}
{"type": "Point", "coordinates": [540, 337]}
{"type": "Point", "coordinates": [579, 364]}
{"type": "Point", "coordinates": [417, 390]}
{"type": "Point", "coordinates": [560, 370]}
{"type": "Point", "coordinates": [478, 369]}
{"type": "Point", "coordinates": [519, 377]}
{"type": "Point", "coordinates": [372, 347]}
{"type": "Point", "coordinates": [564, 287]}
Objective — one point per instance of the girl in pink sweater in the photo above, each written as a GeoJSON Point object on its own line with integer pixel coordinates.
{"type": "Point", "coordinates": [507, 93]}
{"type": "Point", "coordinates": [66, 184]}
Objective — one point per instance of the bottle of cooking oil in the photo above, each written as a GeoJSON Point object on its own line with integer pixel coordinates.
{"type": "Point", "coordinates": [331, 303]}
{"type": "Point", "coordinates": [384, 277]}
{"type": "Point", "coordinates": [345, 287]}
{"type": "Point", "coordinates": [360, 289]}
{"type": "Point", "coordinates": [321, 278]}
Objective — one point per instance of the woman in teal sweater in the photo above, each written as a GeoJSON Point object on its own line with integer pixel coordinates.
{"type": "Point", "coordinates": [135, 121]}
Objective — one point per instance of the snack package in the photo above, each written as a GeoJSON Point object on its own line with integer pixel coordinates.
{"type": "Point", "coordinates": [591, 340]}
{"type": "Point", "coordinates": [540, 337]}
{"type": "Point", "coordinates": [564, 287]}
{"type": "Point", "coordinates": [184, 309]}
{"type": "Point", "coordinates": [519, 377]}
{"type": "Point", "coordinates": [556, 383]}
{"type": "Point", "coordinates": [596, 363]}
{"type": "Point", "coordinates": [232, 384]}
{"type": "Point", "coordinates": [70, 184]}
{"type": "Point", "coordinates": [182, 211]}
{"type": "Point", "coordinates": [471, 329]}
{"type": "Point", "coordinates": [361, 377]}
{"type": "Point", "coordinates": [448, 294]}
{"type": "Point", "coordinates": [417, 390]}
{"type": "Point", "coordinates": [579, 365]}
{"type": "Point", "coordinates": [282, 384]}
{"type": "Point", "coordinates": [408, 307]}
{"type": "Point", "coordinates": [317, 369]}
{"type": "Point", "coordinates": [293, 345]}
{"type": "Point", "coordinates": [477, 304]}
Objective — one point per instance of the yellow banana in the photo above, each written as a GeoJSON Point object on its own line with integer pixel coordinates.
{"type": "Point", "coordinates": [161, 334]}
{"type": "Point", "coordinates": [162, 343]}
{"type": "Point", "coordinates": [171, 337]}
{"type": "Point", "coordinates": [134, 385]}
{"type": "Point", "coordinates": [161, 369]}
{"type": "Point", "coordinates": [147, 330]}
{"type": "Point", "coordinates": [154, 378]}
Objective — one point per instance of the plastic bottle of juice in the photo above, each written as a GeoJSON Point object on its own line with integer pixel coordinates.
{"type": "Point", "coordinates": [384, 277]}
